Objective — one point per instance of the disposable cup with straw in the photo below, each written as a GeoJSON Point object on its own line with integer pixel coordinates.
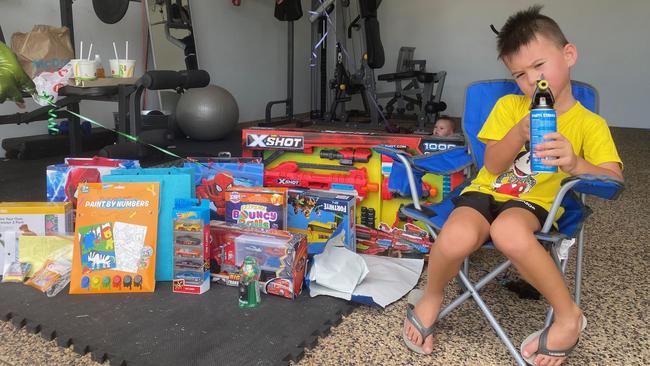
{"type": "Point", "coordinates": [114, 63]}
{"type": "Point", "coordinates": [86, 69]}
{"type": "Point", "coordinates": [126, 66]}
{"type": "Point", "coordinates": [75, 62]}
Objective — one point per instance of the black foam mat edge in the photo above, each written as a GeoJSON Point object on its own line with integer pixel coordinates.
{"type": "Point", "coordinates": [48, 334]}
{"type": "Point", "coordinates": [100, 356]}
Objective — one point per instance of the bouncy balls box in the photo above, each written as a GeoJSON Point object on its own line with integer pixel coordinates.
{"type": "Point", "coordinates": [322, 215]}
{"type": "Point", "coordinates": [261, 207]}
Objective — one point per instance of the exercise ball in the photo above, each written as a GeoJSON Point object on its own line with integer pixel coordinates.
{"type": "Point", "coordinates": [207, 114]}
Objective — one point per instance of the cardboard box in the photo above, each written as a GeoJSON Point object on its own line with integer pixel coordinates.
{"type": "Point", "coordinates": [257, 207]}
{"type": "Point", "coordinates": [191, 246]}
{"type": "Point", "coordinates": [31, 218]}
{"type": "Point", "coordinates": [36, 218]}
{"type": "Point", "coordinates": [320, 215]}
{"type": "Point", "coordinates": [344, 159]}
{"type": "Point", "coordinates": [281, 255]}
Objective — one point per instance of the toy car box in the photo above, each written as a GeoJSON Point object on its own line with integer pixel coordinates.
{"type": "Point", "coordinates": [257, 207]}
{"type": "Point", "coordinates": [318, 214]}
{"type": "Point", "coordinates": [191, 246]}
{"type": "Point", "coordinates": [281, 255]}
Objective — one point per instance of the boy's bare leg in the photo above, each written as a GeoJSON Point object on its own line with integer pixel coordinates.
{"type": "Point", "coordinates": [513, 234]}
{"type": "Point", "coordinates": [464, 231]}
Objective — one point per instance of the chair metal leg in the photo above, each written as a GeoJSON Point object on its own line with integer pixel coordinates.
{"type": "Point", "coordinates": [495, 325]}
{"type": "Point", "coordinates": [579, 256]}
{"type": "Point", "coordinates": [466, 267]}
{"type": "Point", "coordinates": [477, 286]}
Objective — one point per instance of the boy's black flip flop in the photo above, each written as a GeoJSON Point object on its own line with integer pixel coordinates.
{"type": "Point", "coordinates": [542, 348]}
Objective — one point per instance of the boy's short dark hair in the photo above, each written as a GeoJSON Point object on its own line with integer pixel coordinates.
{"type": "Point", "coordinates": [523, 26]}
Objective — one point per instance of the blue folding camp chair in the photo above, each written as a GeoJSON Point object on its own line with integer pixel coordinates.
{"type": "Point", "coordinates": [407, 172]}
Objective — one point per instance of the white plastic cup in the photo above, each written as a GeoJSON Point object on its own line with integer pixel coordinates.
{"type": "Point", "coordinates": [85, 70]}
{"type": "Point", "coordinates": [127, 68]}
{"type": "Point", "coordinates": [73, 65]}
{"type": "Point", "coordinates": [115, 70]}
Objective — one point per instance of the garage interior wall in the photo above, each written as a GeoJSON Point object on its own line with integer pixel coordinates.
{"type": "Point", "coordinates": [244, 48]}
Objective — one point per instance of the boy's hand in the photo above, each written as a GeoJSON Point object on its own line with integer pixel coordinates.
{"type": "Point", "coordinates": [523, 129]}
{"type": "Point", "coordinates": [560, 148]}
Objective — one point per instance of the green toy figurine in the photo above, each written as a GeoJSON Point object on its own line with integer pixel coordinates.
{"type": "Point", "coordinates": [249, 285]}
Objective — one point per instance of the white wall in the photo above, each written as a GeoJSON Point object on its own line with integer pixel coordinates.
{"type": "Point", "coordinates": [454, 35]}
{"type": "Point", "coordinates": [21, 15]}
{"type": "Point", "coordinates": [244, 49]}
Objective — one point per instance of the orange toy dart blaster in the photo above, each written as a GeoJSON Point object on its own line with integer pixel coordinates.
{"type": "Point", "coordinates": [288, 174]}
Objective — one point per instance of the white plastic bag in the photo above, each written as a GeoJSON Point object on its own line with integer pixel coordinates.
{"type": "Point", "coordinates": [48, 84]}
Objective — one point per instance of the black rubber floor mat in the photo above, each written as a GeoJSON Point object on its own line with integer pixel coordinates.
{"type": "Point", "coordinates": [164, 328]}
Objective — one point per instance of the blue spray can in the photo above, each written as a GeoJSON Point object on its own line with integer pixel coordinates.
{"type": "Point", "coordinates": [543, 120]}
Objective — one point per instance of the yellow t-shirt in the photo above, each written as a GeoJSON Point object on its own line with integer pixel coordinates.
{"type": "Point", "coordinates": [587, 132]}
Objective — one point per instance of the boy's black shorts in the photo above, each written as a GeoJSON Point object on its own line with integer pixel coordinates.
{"type": "Point", "coordinates": [487, 206]}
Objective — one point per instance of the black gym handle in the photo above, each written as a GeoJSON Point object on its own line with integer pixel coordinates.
{"type": "Point", "coordinates": [161, 79]}
{"type": "Point", "coordinates": [167, 79]}
{"type": "Point", "coordinates": [194, 79]}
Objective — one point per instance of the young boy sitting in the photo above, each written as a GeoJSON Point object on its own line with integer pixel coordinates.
{"type": "Point", "coordinates": [530, 45]}
{"type": "Point", "coordinates": [444, 126]}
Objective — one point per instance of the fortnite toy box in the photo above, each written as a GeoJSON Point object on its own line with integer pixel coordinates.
{"type": "Point", "coordinates": [320, 215]}
{"type": "Point", "coordinates": [281, 256]}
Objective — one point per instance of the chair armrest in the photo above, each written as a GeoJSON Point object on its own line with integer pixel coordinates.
{"type": "Point", "coordinates": [444, 162]}
{"type": "Point", "coordinates": [393, 153]}
{"type": "Point", "coordinates": [441, 162]}
{"type": "Point", "coordinates": [596, 185]}
{"type": "Point", "coordinates": [602, 186]}
{"type": "Point", "coordinates": [407, 171]}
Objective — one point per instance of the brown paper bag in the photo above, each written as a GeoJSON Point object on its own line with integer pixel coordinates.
{"type": "Point", "coordinates": [44, 48]}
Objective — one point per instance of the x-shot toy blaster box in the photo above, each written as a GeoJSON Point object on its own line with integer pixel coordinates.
{"type": "Point", "coordinates": [344, 160]}
{"type": "Point", "coordinates": [191, 246]}
{"type": "Point", "coordinates": [281, 256]}
{"type": "Point", "coordinates": [63, 179]}
{"type": "Point", "coordinates": [320, 215]}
